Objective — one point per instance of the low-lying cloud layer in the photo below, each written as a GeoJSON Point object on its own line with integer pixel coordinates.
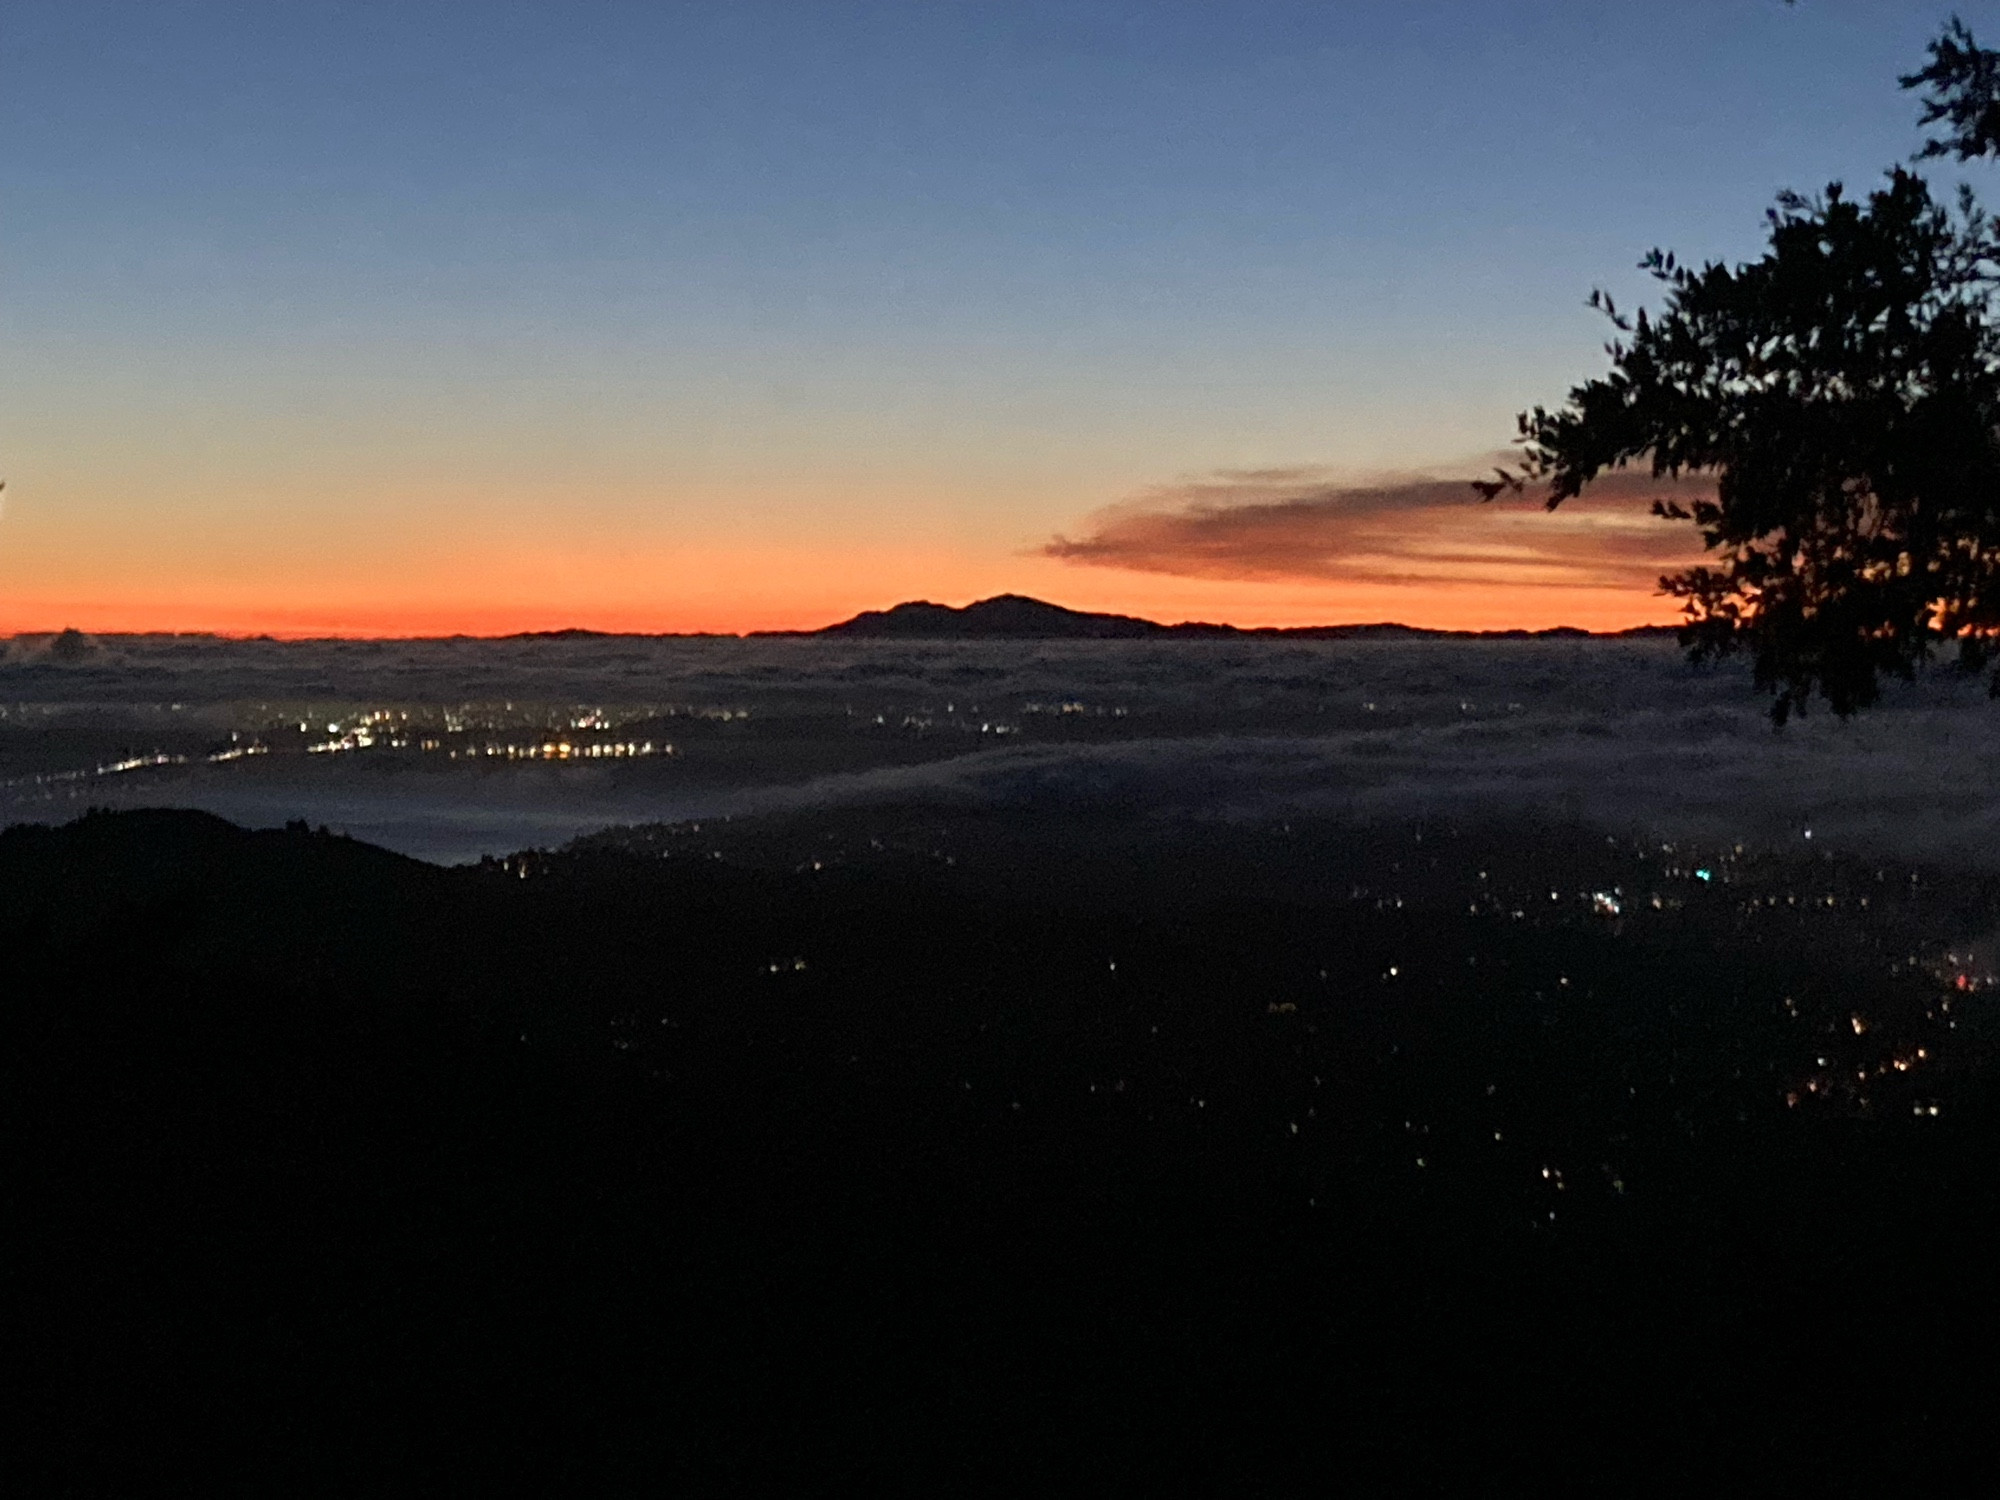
{"type": "Point", "coordinates": [1622, 735]}
{"type": "Point", "coordinates": [1298, 525]}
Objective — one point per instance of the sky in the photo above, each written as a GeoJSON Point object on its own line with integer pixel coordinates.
{"type": "Point", "coordinates": [418, 318]}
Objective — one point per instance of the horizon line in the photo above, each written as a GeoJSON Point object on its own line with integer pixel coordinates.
{"type": "Point", "coordinates": [795, 632]}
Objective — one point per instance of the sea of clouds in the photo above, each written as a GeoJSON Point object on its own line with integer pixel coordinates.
{"type": "Point", "coordinates": [1620, 734]}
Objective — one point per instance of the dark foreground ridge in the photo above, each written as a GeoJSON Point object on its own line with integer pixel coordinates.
{"type": "Point", "coordinates": [1015, 617]}
{"type": "Point", "coordinates": [628, 1168]}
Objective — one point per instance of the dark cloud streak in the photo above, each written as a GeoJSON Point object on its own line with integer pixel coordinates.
{"type": "Point", "coordinates": [1296, 525]}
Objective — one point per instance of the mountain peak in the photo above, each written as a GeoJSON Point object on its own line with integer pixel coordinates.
{"type": "Point", "coordinates": [1003, 617]}
{"type": "Point", "coordinates": [1018, 617]}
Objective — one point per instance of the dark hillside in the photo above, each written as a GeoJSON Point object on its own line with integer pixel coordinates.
{"type": "Point", "coordinates": [598, 1171]}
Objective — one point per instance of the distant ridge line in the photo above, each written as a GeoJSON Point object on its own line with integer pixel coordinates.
{"type": "Point", "coordinates": [1017, 617]}
{"type": "Point", "coordinates": [1003, 617]}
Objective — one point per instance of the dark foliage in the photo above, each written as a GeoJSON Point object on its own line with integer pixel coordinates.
{"type": "Point", "coordinates": [1844, 393]}
{"type": "Point", "coordinates": [1962, 88]}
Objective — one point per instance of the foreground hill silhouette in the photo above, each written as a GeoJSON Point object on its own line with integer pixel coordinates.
{"type": "Point", "coordinates": [636, 1165]}
{"type": "Point", "coordinates": [1016, 617]}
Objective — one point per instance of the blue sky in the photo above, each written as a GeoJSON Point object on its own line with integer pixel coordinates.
{"type": "Point", "coordinates": [359, 301]}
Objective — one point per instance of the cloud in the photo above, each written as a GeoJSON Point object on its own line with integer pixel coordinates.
{"type": "Point", "coordinates": [1619, 734]}
{"type": "Point", "coordinates": [1299, 525]}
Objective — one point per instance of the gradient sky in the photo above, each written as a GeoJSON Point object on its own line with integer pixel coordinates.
{"type": "Point", "coordinates": [412, 317]}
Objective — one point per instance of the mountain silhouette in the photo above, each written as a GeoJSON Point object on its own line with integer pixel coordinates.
{"type": "Point", "coordinates": [1004, 617]}
{"type": "Point", "coordinates": [1017, 617]}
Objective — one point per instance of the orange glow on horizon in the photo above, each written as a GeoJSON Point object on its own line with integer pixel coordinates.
{"type": "Point", "coordinates": [822, 601]}
{"type": "Point", "coordinates": [420, 569]}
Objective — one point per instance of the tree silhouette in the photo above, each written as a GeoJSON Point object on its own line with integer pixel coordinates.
{"type": "Point", "coordinates": [1843, 392]}
{"type": "Point", "coordinates": [1963, 84]}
